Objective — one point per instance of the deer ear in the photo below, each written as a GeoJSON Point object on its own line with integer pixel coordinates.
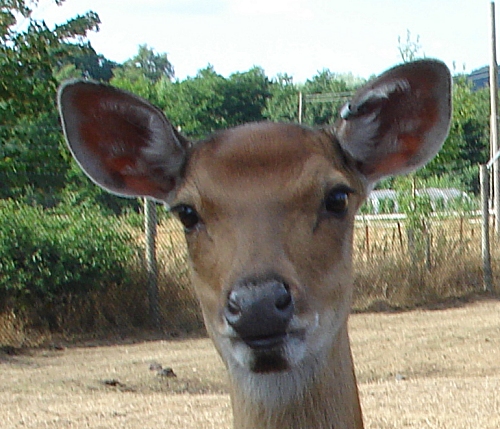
{"type": "Point", "coordinates": [398, 122]}
{"type": "Point", "coordinates": [123, 143]}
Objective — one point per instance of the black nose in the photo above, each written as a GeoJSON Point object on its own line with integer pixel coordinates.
{"type": "Point", "coordinates": [260, 311]}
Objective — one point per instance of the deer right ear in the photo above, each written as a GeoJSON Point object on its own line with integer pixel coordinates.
{"type": "Point", "coordinates": [123, 143]}
{"type": "Point", "coordinates": [398, 122]}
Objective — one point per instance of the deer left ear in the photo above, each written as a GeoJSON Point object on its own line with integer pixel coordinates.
{"type": "Point", "coordinates": [123, 143]}
{"type": "Point", "coordinates": [398, 122]}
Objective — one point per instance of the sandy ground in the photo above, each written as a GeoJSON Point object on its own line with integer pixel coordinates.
{"type": "Point", "coordinates": [419, 369]}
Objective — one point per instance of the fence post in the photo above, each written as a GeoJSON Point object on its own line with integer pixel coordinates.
{"type": "Point", "coordinates": [485, 230]}
{"type": "Point", "coordinates": [301, 106]}
{"type": "Point", "coordinates": [150, 221]}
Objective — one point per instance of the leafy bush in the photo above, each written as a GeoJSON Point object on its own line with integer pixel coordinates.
{"type": "Point", "coordinates": [48, 253]}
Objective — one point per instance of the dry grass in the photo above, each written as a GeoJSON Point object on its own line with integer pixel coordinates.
{"type": "Point", "coordinates": [444, 262]}
{"type": "Point", "coordinates": [419, 369]}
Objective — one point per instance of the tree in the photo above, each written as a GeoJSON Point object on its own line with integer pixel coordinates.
{"type": "Point", "coordinates": [282, 105]}
{"type": "Point", "coordinates": [467, 142]}
{"type": "Point", "coordinates": [245, 97]}
{"type": "Point", "coordinates": [151, 65]}
{"type": "Point", "coordinates": [143, 73]}
{"type": "Point", "coordinates": [196, 105]}
{"type": "Point", "coordinates": [31, 161]}
{"type": "Point", "coordinates": [84, 61]}
{"type": "Point", "coordinates": [210, 102]}
{"type": "Point", "coordinates": [133, 80]}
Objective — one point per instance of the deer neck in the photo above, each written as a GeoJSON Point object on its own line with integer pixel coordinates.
{"type": "Point", "coordinates": [326, 398]}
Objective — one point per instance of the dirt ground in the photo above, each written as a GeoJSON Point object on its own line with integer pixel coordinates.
{"type": "Point", "coordinates": [419, 369]}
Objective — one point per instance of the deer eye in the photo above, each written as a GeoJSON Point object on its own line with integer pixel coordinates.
{"type": "Point", "coordinates": [337, 201]}
{"type": "Point", "coordinates": [187, 215]}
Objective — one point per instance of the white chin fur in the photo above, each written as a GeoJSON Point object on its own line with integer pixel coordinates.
{"type": "Point", "coordinates": [305, 358]}
{"type": "Point", "coordinates": [276, 388]}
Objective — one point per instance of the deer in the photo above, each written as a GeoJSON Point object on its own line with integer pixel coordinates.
{"type": "Point", "coordinates": [268, 212]}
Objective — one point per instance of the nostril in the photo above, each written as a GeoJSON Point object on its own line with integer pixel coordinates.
{"type": "Point", "coordinates": [232, 305]}
{"type": "Point", "coordinates": [284, 300]}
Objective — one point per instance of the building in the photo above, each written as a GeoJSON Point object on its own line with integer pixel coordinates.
{"type": "Point", "coordinates": [480, 78]}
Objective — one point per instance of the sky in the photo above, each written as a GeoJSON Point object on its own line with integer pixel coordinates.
{"type": "Point", "coordinates": [297, 37]}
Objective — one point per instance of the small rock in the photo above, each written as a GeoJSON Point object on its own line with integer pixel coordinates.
{"type": "Point", "coordinates": [400, 377]}
{"type": "Point", "coordinates": [167, 372]}
{"type": "Point", "coordinates": [113, 382]}
{"type": "Point", "coordinates": [57, 347]}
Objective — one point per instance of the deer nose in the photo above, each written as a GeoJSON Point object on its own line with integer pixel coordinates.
{"type": "Point", "coordinates": [260, 311]}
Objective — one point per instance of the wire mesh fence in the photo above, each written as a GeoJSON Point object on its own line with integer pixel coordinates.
{"type": "Point", "coordinates": [399, 265]}
{"type": "Point", "coordinates": [399, 261]}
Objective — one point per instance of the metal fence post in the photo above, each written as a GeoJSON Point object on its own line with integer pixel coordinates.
{"type": "Point", "coordinates": [485, 230]}
{"type": "Point", "coordinates": [150, 221]}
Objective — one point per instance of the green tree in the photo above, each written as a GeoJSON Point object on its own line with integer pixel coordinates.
{"type": "Point", "coordinates": [144, 74]}
{"type": "Point", "coordinates": [196, 105]}
{"type": "Point", "coordinates": [84, 61]}
{"type": "Point", "coordinates": [245, 97]}
{"type": "Point", "coordinates": [283, 103]}
{"type": "Point", "coordinates": [468, 141]}
{"type": "Point", "coordinates": [210, 102]}
{"type": "Point", "coordinates": [151, 65]}
{"type": "Point", "coordinates": [133, 80]}
{"type": "Point", "coordinates": [31, 161]}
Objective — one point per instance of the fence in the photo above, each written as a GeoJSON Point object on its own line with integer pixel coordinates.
{"type": "Point", "coordinates": [397, 263]}
{"type": "Point", "coordinates": [400, 266]}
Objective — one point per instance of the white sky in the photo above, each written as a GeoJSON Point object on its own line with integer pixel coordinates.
{"type": "Point", "coordinates": [298, 37]}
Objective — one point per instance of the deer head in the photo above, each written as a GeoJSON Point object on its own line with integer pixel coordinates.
{"type": "Point", "coordinates": [268, 212]}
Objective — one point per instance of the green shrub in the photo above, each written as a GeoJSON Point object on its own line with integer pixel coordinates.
{"type": "Point", "coordinates": [45, 254]}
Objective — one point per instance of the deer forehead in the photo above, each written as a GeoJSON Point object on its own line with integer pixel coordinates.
{"type": "Point", "coordinates": [266, 164]}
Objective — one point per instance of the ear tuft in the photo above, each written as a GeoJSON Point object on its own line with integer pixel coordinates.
{"type": "Point", "coordinates": [368, 101]}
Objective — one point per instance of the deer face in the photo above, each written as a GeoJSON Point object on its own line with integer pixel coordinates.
{"type": "Point", "coordinates": [268, 211]}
